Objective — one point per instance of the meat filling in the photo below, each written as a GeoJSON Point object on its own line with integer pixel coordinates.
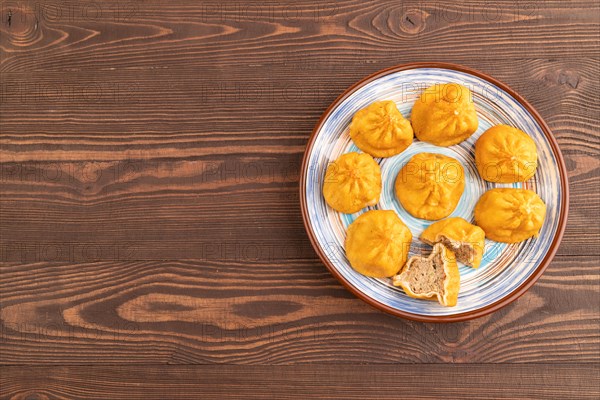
{"type": "Point", "coordinates": [426, 275]}
{"type": "Point", "coordinates": [464, 252]}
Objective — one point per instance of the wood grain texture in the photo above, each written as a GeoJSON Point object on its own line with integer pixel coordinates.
{"type": "Point", "coordinates": [259, 382]}
{"type": "Point", "coordinates": [184, 209]}
{"type": "Point", "coordinates": [255, 32]}
{"type": "Point", "coordinates": [248, 311]}
{"type": "Point", "coordinates": [196, 112]}
{"type": "Point", "coordinates": [149, 214]}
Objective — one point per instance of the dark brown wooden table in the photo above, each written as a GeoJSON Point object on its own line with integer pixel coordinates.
{"type": "Point", "coordinates": [152, 242]}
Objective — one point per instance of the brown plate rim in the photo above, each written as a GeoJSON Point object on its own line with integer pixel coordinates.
{"type": "Point", "coordinates": [465, 315]}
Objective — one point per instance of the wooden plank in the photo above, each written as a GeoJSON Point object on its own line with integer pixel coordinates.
{"type": "Point", "coordinates": [527, 381]}
{"type": "Point", "coordinates": [120, 35]}
{"type": "Point", "coordinates": [269, 312]}
{"type": "Point", "coordinates": [234, 205]}
{"type": "Point", "coordinates": [131, 115]}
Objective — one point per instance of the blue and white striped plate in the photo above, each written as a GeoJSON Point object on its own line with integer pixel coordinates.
{"type": "Point", "coordinates": [506, 270]}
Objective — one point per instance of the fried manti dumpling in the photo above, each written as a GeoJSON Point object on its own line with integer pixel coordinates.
{"type": "Point", "coordinates": [380, 129]}
{"type": "Point", "coordinates": [505, 154]}
{"type": "Point", "coordinates": [465, 240]}
{"type": "Point", "coordinates": [431, 278]}
{"type": "Point", "coordinates": [444, 114]}
{"type": "Point", "coordinates": [510, 215]}
{"type": "Point", "coordinates": [377, 243]}
{"type": "Point", "coordinates": [429, 186]}
{"type": "Point", "coordinates": [352, 182]}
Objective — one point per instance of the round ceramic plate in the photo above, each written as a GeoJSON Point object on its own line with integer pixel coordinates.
{"type": "Point", "coordinates": [507, 270]}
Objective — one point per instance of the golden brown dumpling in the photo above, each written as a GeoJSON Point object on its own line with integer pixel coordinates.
{"type": "Point", "coordinates": [430, 278]}
{"type": "Point", "coordinates": [377, 243]}
{"type": "Point", "coordinates": [352, 182]}
{"type": "Point", "coordinates": [429, 186]}
{"type": "Point", "coordinates": [505, 154]}
{"type": "Point", "coordinates": [510, 215]}
{"type": "Point", "coordinates": [467, 241]}
{"type": "Point", "coordinates": [444, 114]}
{"type": "Point", "coordinates": [381, 130]}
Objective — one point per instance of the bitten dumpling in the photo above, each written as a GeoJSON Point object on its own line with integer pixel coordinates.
{"type": "Point", "coordinates": [381, 130]}
{"type": "Point", "coordinates": [352, 182]}
{"type": "Point", "coordinates": [429, 186]}
{"type": "Point", "coordinates": [510, 215]}
{"type": "Point", "coordinates": [377, 243]}
{"type": "Point", "coordinates": [467, 241]}
{"type": "Point", "coordinates": [444, 114]}
{"type": "Point", "coordinates": [431, 278]}
{"type": "Point", "coordinates": [505, 154]}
